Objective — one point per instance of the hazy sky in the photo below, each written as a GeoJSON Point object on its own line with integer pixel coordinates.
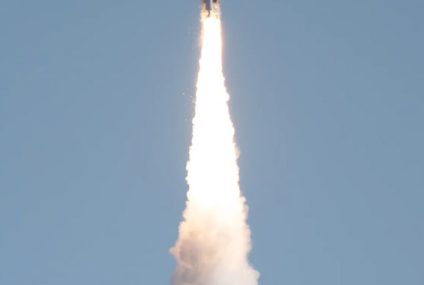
{"type": "Point", "coordinates": [95, 121]}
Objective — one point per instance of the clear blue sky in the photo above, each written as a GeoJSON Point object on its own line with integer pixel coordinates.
{"type": "Point", "coordinates": [95, 110]}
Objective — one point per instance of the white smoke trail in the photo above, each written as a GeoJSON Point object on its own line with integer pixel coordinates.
{"type": "Point", "coordinates": [214, 238]}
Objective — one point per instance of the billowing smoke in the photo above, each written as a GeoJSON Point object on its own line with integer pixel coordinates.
{"type": "Point", "coordinates": [214, 238]}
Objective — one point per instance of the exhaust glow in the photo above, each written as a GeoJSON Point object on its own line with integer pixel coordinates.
{"type": "Point", "coordinates": [214, 238]}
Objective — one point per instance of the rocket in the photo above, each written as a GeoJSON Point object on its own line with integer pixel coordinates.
{"type": "Point", "coordinates": [209, 5]}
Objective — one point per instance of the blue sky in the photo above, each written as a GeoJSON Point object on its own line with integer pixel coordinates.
{"type": "Point", "coordinates": [95, 120]}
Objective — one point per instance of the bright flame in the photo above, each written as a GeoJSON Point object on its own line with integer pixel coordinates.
{"type": "Point", "coordinates": [214, 238]}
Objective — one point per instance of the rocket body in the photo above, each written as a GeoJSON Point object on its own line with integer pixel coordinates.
{"type": "Point", "coordinates": [210, 6]}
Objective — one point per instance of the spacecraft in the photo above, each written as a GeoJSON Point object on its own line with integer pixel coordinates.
{"type": "Point", "coordinates": [209, 6]}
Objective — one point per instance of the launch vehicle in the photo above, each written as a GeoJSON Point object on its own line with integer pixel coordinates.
{"type": "Point", "coordinates": [209, 6]}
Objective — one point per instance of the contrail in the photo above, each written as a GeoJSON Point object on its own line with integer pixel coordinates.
{"type": "Point", "coordinates": [214, 238]}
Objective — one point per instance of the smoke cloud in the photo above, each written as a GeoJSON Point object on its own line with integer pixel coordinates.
{"type": "Point", "coordinates": [214, 238]}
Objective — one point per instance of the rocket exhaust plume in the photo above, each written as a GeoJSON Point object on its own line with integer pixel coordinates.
{"type": "Point", "coordinates": [214, 238]}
